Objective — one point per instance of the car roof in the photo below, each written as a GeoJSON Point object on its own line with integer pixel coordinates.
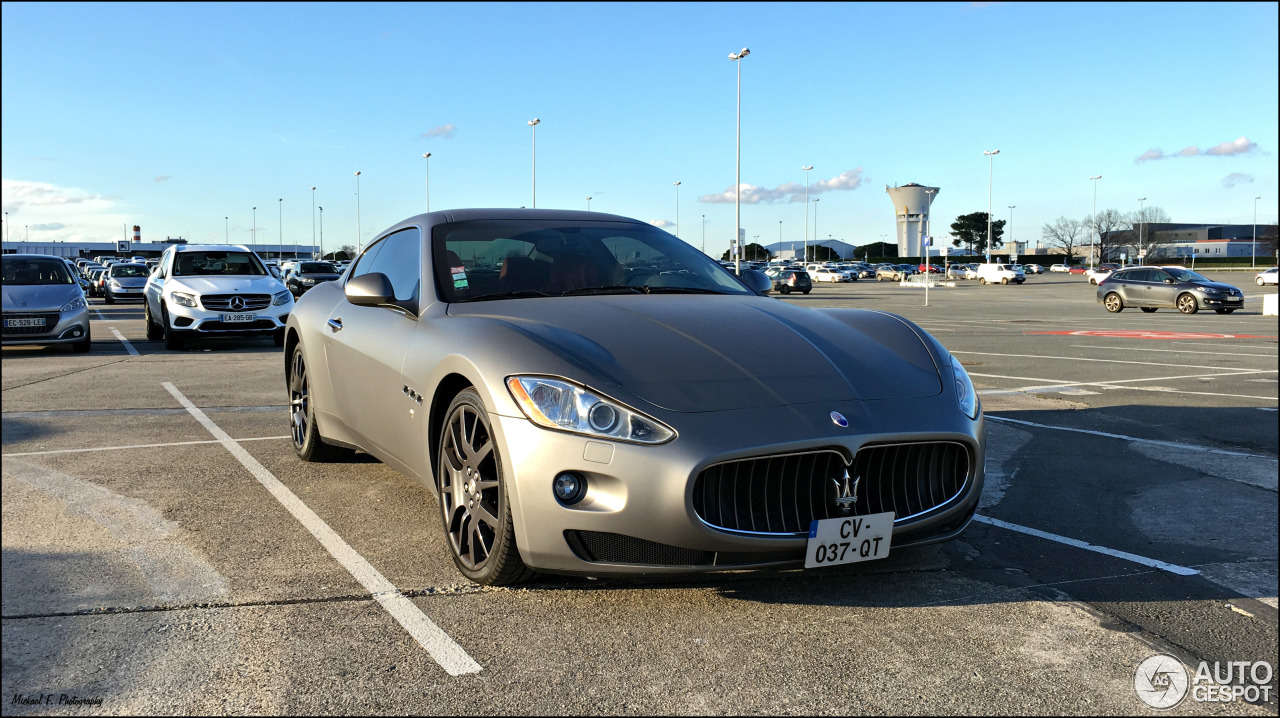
{"type": "Point", "coordinates": [210, 248]}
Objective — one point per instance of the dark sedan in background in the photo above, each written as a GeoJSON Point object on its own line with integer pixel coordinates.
{"type": "Point", "coordinates": [305, 275]}
{"type": "Point", "coordinates": [1150, 288]}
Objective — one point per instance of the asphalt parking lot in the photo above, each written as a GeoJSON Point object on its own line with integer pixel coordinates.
{"type": "Point", "coordinates": [150, 564]}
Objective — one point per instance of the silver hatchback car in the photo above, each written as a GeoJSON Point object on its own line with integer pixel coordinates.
{"type": "Point", "coordinates": [42, 302]}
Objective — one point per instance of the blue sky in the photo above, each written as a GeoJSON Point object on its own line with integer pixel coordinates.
{"type": "Point", "coordinates": [176, 116]}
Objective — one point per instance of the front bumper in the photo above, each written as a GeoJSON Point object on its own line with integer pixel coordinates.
{"type": "Point", "coordinates": [68, 328]}
{"type": "Point", "coordinates": [121, 293]}
{"type": "Point", "coordinates": [644, 494]}
{"type": "Point", "coordinates": [1221, 301]}
{"type": "Point", "coordinates": [198, 321]}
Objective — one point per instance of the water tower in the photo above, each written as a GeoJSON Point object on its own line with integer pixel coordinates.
{"type": "Point", "coordinates": [911, 206]}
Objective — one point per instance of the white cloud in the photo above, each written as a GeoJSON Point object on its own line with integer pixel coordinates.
{"type": "Point", "coordinates": [444, 132]}
{"type": "Point", "coordinates": [1236, 178]}
{"type": "Point", "coordinates": [1239, 146]}
{"type": "Point", "coordinates": [789, 191]}
{"type": "Point", "coordinates": [162, 178]}
{"type": "Point", "coordinates": [69, 214]}
{"type": "Point", "coordinates": [662, 223]}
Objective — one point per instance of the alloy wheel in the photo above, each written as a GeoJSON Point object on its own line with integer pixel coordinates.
{"type": "Point", "coordinates": [469, 488]}
{"type": "Point", "coordinates": [1187, 304]}
{"type": "Point", "coordinates": [299, 398]}
{"type": "Point", "coordinates": [1113, 303]}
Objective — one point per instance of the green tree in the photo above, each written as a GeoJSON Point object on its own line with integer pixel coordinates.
{"type": "Point", "coordinates": [970, 232]}
{"type": "Point", "coordinates": [750, 253]}
{"type": "Point", "coordinates": [877, 249]}
{"type": "Point", "coordinates": [822, 253]}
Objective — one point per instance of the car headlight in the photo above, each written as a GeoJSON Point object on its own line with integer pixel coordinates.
{"type": "Point", "coordinates": [563, 405]}
{"type": "Point", "coordinates": [74, 304]}
{"type": "Point", "coordinates": [183, 300]}
{"type": "Point", "coordinates": [282, 298]}
{"type": "Point", "coordinates": [115, 284]}
{"type": "Point", "coordinates": [1210, 290]}
{"type": "Point", "coordinates": [965, 394]}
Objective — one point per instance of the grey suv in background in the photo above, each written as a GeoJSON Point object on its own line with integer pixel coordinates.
{"type": "Point", "coordinates": [792, 280]}
{"type": "Point", "coordinates": [1150, 288]}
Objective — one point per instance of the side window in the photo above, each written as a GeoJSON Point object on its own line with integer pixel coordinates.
{"type": "Point", "coordinates": [399, 256]}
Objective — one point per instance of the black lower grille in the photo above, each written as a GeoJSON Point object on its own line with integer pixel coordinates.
{"type": "Point", "coordinates": [216, 326]}
{"type": "Point", "coordinates": [601, 547]}
{"type": "Point", "coordinates": [50, 321]}
{"type": "Point", "coordinates": [781, 495]}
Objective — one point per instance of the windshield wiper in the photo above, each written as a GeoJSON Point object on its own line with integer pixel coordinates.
{"type": "Point", "coordinates": [507, 295]}
{"type": "Point", "coordinates": [680, 290]}
{"type": "Point", "coordinates": [608, 289]}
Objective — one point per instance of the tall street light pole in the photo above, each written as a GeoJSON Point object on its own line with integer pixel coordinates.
{"type": "Point", "coordinates": [588, 204]}
{"type": "Point", "coordinates": [991, 165]}
{"type": "Point", "coordinates": [427, 156]}
{"type": "Point", "coordinates": [736, 57]}
{"type": "Point", "coordinates": [280, 219]}
{"type": "Point", "coordinates": [1253, 251]}
{"type": "Point", "coordinates": [677, 186]}
{"type": "Point", "coordinates": [226, 228]}
{"type": "Point", "coordinates": [806, 211]}
{"type": "Point", "coordinates": [534, 124]}
{"type": "Point", "coordinates": [357, 211]}
{"type": "Point", "coordinates": [704, 234]}
{"type": "Point", "coordinates": [1141, 217]}
{"type": "Point", "coordinates": [1093, 218]}
{"type": "Point", "coordinates": [322, 232]}
{"type": "Point", "coordinates": [253, 233]}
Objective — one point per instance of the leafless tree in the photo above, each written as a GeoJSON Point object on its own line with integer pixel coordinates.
{"type": "Point", "coordinates": [1064, 233]}
{"type": "Point", "coordinates": [1138, 236]}
{"type": "Point", "coordinates": [1105, 232]}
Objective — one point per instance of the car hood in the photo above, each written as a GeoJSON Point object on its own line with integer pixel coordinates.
{"type": "Point", "coordinates": [130, 281]}
{"type": "Point", "coordinates": [37, 297]}
{"type": "Point", "coordinates": [713, 353]}
{"type": "Point", "coordinates": [228, 285]}
{"type": "Point", "coordinates": [319, 277]}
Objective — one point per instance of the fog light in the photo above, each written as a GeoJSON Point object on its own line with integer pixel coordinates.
{"type": "Point", "coordinates": [568, 487]}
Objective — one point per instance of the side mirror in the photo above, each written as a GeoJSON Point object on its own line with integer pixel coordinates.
{"type": "Point", "coordinates": [370, 290]}
{"type": "Point", "coordinates": [757, 282]}
{"type": "Point", "coordinates": [275, 271]}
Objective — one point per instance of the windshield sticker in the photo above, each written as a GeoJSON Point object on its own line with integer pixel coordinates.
{"type": "Point", "coordinates": [460, 283]}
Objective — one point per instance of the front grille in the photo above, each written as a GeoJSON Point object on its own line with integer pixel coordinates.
{"type": "Point", "coordinates": [602, 547]}
{"type": "Point", "coordinates": [781, 495]}
{"type": "Point", "coordinates": [216, 326]}
{"type": "Point", "coordinates": [50, 321]}
{"type": "Point", "coordinates": [222, 302]}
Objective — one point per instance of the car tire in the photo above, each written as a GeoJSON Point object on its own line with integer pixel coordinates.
{"type": "Point", "coordinates": [1113, 303]}
{"type": "Point", "coordinates": [1149, 310]}
{"type": "Point", "coordinates": [308, 444]}
{"type": "Point", "coordinates": [1187, 304]}
{"type": "Point", "coordinates": [1004, 280]}
{"type": "Point", "coordinates": [982, 280]}
{"type": "Point", "coordinates": [154, 332]}
{"type": "Point", "coordinates": [277, 337]}
{"type": "Point", "coordinates": [474, 501]}
{"type": "Point", "coordinates": [805, 292]}
{"type": "Point", "coordinates": [786, 289]}
{"type": "Point", "coordinates": [1259, 281]}
{"type": "Point", "coordinates": [173, 340]}
{"type": "Point", "coordinates": [108, 298]}
{"type": "Point", "coordinates": [83, 346]}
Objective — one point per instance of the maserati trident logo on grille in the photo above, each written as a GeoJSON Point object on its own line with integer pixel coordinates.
{"type": "Point", "coordinates": [838, 419]}
{"type": "Point", "coordinates": [236, 303]}
{"type": "Point", "coordinates": [846, 494]}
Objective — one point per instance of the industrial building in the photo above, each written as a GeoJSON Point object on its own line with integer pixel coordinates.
{"type": "Point", "coordinates": [911, 204]}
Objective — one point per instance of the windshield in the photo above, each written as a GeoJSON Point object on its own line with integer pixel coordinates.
{"type": "Point", "coordinates": [200, 264]}
{"type": "Point", "coordinates": [129, 270]}
{"type": "Point", "coordinates": [1186, 275]}
{"type": "Point", "coordinates": [317, 268]}
{"type": "Point", "coordinates": [502, 259]}
{"type": "Point", "coordinates": [34, 270]}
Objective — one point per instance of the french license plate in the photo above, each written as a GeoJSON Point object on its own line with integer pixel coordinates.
{"type": "Point", "coordinates": [26, 322]}
{"type": "Point", "coordinates": [851, 539]}
{"type": "Point", "coordinates": [239, 317]}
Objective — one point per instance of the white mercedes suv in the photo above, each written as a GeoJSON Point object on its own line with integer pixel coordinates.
{"type": "Point", "coordinates": [212, 290]}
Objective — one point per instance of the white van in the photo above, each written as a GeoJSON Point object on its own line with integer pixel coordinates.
{"type": "Point", "coordinates": [1002, 273]}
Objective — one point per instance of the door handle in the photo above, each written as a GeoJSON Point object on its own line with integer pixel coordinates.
{"type": "Point", "coordinates": [335, 324]}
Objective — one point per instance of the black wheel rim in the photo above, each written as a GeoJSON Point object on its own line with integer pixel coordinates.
{"type": "Point", "coordinates": [299, 398]}
{"type": "Point", "coordinates": [469, 492]}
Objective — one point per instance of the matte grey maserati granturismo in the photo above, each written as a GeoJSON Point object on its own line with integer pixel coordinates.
{"type": "Point", "coordinates": [585, 393]}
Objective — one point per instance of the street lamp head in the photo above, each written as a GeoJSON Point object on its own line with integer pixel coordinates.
{"type": "Point", "coordinates": [313, 189]}
{"type": "Point", "coordinates": [806, 169]}
{"type": "Point", "coordinates": [534, 121]}
{"type": "Point", "coordinates": [357, 173]}
{"type": "Point", "coordinates": [1096, 178]}
{"type": "Point", "coordinates": [739, 55]}
{"type": "Point", "coordinates": [1142, 199]}
{"type": "Point", "coordinates": [991, 152]}
{"type": "Point", "coordinates": [426, 155]}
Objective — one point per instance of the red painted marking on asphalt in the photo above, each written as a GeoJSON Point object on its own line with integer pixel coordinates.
{"type": "Point", "coordinates": [1141, 334]}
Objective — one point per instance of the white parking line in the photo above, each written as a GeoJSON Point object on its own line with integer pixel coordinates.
{"type": "Point", "coordinates": [139, 446]}
{"type": "Point", "coordinates": [1122, 384]}
{"type": "Point", "coordinates": [451, 657]}
{"type": "Point", "coordinates": [1173, 351]}
{"type": "Point", "coordinates": [1170, 567]}
{"type": "Point", "coordinates": [1109, 361]}
{"type": "Point", "coordinates": [127, 345]}
{"type": "Point", "coordinates": [95, 311]}
{"type": "Point", "coordinates": [1122, 437]}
